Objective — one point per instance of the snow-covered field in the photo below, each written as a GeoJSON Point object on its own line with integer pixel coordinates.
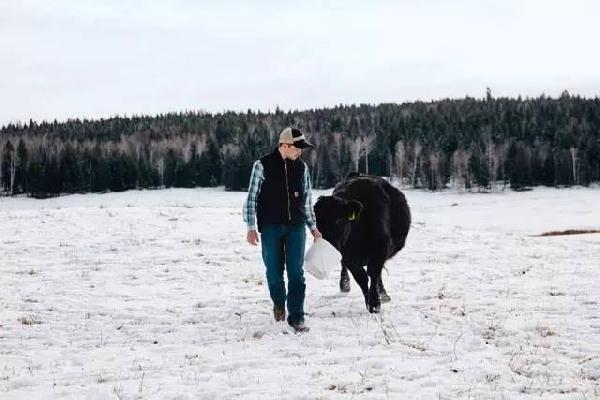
{"type": "Point", "coordinates": [156, 294]}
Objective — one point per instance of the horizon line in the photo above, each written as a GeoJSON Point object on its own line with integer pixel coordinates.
{"type": "Point", "coordinates": [277, 108]}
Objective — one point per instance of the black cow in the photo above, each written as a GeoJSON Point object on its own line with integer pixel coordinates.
{"type": "Point", "coordinates": [367, 220]}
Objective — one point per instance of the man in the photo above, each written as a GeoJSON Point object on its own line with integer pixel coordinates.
{"type": "Point", "coordinates": [280, 196]}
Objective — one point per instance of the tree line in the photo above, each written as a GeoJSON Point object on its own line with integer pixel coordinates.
{"type": "Point", "coordinates": [470, 144]}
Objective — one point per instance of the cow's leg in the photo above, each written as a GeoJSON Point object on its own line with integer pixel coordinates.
{"type": "Point", "coordinates": [383, 296]}
{"type": "Point", "coordinates": [374, 271]}
{"type": "Point", "coordinates": [361, 277]}
{"type": "Point", "coordinates": [344, 280]}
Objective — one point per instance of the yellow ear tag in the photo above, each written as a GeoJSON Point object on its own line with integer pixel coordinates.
{"type": "Point", "coordinates": [352, 217]}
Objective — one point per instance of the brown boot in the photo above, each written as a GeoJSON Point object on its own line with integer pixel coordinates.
{"type": "Point", "coordinates": [279, 313]}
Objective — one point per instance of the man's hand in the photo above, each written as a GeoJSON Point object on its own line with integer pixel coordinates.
{"type": "Point", "coordinates": [252, 237]}
{"type": "Point", "coordinates": [316, 234]}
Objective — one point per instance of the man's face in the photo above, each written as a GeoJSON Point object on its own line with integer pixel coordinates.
{"type": "Point", "coordinates": [292, 152]}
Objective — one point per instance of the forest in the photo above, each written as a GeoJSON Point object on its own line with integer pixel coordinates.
{"type": "Point", "coordinates": [471, 144]}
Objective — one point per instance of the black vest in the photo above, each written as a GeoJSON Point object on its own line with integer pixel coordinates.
{"type": "Point", "coordinates": [281, 197]}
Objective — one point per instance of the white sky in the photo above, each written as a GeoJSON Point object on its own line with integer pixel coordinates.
{"type": "Point", "coordinates": [72, 58]}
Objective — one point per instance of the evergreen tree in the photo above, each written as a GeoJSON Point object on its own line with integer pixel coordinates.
{"type": "Point", "coordinates": [464, 141]}
{"type": "Point", "coordinates": [21, 168]}
{"type": "Point", "coordinates": [8, 166]}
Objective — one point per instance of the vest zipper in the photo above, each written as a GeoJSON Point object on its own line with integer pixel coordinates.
{"type": "Point", "coordinates": [287, 191]}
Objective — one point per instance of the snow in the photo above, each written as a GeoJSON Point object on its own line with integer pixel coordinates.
{"type": "Point", "coordinates": [156, 294]}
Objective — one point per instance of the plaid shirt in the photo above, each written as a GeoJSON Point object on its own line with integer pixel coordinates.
{"type": "Point", "coordinates": [256, 179]}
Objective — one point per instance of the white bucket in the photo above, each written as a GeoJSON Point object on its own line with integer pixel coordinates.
{"type": "Point", "coordinates": [321, 258]}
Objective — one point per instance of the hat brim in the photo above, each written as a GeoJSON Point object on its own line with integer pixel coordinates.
{"type": "Point", "coordinates": [302, 144]}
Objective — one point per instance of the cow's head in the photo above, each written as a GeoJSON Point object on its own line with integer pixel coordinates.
{"type": "Point", "coordinates": [335, 217]}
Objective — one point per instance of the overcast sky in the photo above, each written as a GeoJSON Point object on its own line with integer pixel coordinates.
{"type": "Point", "coordinates": [76, 58]}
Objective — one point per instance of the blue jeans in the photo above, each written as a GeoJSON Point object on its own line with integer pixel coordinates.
{"type": "Point", "coordinates": [283, 249]}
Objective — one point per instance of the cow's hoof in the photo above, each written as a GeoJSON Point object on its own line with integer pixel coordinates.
{"type": "Point", "coordinates": [385, 298]}
{"type": "Point", "coordinates": [345, 286]}
{"type": "Point", "coordinates": [374, 310]}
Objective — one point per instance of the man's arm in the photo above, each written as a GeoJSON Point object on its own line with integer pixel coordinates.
{"type": "Point", "coordinates": [311, 221]}
{"type": "Point", "coordinates": [249, 210]}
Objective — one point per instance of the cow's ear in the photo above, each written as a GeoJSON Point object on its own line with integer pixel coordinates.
{"type": "Point", "coordinates": [354, 208]}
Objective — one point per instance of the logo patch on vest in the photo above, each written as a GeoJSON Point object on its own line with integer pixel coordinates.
{"type": "Point", "coordinates": [296, 194]}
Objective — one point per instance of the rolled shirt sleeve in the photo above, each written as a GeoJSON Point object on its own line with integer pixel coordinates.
{"type": "Point", "coordinates": [249, 210]}
{"type": "Point", "coordinates": [310, 214]}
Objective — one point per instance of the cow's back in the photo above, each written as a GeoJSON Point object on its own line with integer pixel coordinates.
{"type": "Point", "coordinates": [384, 221]}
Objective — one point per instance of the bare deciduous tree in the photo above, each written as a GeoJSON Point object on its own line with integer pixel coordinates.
{"type": "Point", "coordinates": [492, 160]}
{"type": "Point", "coordinates": [355, 150]}
{"type": "Point", "coordinates": [574, 160]}
{"type": "Point", "coordinates": [417, 148]}
{"type": "Point", "coordinates": [201, 143]}
{"type": "Point", "coordinates": [460, 168]}
{"type": "Point", "coordinates": [315, 166]}
{"type": "Point", "coordinates": [337, 142]}
{"type": "Point", "coordinates": [434, 168]}
{"type": "Point", "coordinates": [13, 170]}
{"type": "Point", "coordinates": [502, 154]}
{"type": "Point", "coordinates": [230, 151]}
{"type": "Point", "coordinates": [367, 142]}
{"type": "Point", "coordinates": [400, 157]}
{"type": "Point", "coordinates": [160, 166]}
